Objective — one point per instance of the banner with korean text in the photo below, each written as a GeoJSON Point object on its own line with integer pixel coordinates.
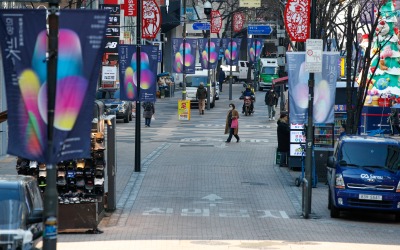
{"type": "Point", "coordinates": [324, 90]}
{"type": "Point", "coordinates": [204, 50]}
{"type": "Point", "coordinates": [184, 61]}
{"type": "Point", "coordinates": [128, 73]}
{"type": "Point", "coordinates": [234, 45]}
{"type": "Point", "coordinates": [81, 41]}
{"type": "Point", "coordinates": [254, 47]}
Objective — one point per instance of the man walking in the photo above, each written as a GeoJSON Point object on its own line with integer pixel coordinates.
{"type": "Point", "coordinates": [271, 100]}
{"type": "Point", "coordinates": [221, 79]}
{"type": "Point", "coordinates": [201, 95]}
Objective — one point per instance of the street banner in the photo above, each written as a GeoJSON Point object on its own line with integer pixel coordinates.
{"type": "Point", "coordinates": [226, 45]}
{"type": "Point", "coordinates": [324, 90]}
{"type": "Point", "coordinates": [190, 46]}
{"type": "Point", "coordinates": [297, 19]}
{"type": "Point", "coordinates": [25, 68]}
{"type": "Point", "coordinates": [128, 72]}
{"type": "Point", "coordinates": [214, 51]}
{"type": "Point", "coordinates": [239, 20]}
{"type": "Point", "coordinates": [216, 21]}
{"type": "Point", "coordinates": [254, 47]}
{"type": "Point", "coordinates": [151, 19]}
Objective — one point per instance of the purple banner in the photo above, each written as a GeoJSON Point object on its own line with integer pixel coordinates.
{"type": "Point", "coordinates": [214, 51]}
{"type": "Point", "coordinates": [226, 46]}
{"type": "Point", "coordinates": [324, 91]}
{"type": "Point", "coordinates": [254, 47]}
{"type": "Point", "coordinates": [25, 67]}
{"type": "Point", "coordinates": [190, 46]}
{"type": "Point", "coordinates": [148, 72]}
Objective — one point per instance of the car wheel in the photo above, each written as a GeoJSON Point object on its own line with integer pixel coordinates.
{"type": "Point", "coordinates": [397, 217]}
{"type": "Point", "coordinates": [126, 118]}
{"type": "Point", "coordinates": [329, 199]}
{"type": "Point", "coordinates": [260, 89]}
{"type": "Point", "coordinates": [335, 212]}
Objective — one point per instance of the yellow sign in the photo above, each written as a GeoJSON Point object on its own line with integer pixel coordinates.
{"type": "Point", "coordinates": [184, 110]}
{"type": "Point", "coordinates": [250, 3]}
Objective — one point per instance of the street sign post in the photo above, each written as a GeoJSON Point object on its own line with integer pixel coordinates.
{"type": "Point", "coordinates": [201, 26]}
{"type": "Point", "coordinates": [259, 30]}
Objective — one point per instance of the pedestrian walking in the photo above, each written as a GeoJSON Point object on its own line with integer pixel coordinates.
{"type": "Point", "coordinates": [221, 79]}
{"type": "Point", "coordinates": [283, 132]}
{"type": "Point", "coordinates": [271, 100]}
{"type": "Point", "coordinates": [394, 118]}
{"type": "Point", "coordinates": [148, 113]}
{"type": "Point", "coordinates": [201, 95]}
{"type": "Point", "coordinates": [232, 123]}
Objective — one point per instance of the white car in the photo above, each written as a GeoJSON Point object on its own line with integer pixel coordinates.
{"type": "Point", "coordinates": [193, 82]}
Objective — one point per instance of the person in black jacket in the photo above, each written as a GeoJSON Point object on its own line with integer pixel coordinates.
{"type": "Point", "coordinates": [283, 138]}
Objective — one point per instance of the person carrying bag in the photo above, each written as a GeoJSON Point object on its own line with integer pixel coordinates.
{"type": "Point", "coordinates": [232, 123]}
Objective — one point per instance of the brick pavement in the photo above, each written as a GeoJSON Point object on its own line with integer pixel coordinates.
{"type": "Point", "coordinates": [203, 194]}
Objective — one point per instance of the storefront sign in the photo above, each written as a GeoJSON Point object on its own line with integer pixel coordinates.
{"type": "Point", "coordinates": [112, 31]}
{"type": "Point", "coordinates": [130, 8]}
{"type": "Point", "coordinates": [109, 73]}
{"type": "Point", "coordinates": [111, 44]}
{"type": "Point", "coordinates": [184, 110]}
{"type": "Point", "coordinates": [114, 9]}
{"type": "Point", "coordinates": [216, 21]}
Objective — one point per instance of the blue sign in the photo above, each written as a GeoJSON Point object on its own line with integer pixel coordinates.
{"type": "Point", "coordinates": [201, 26]}
{"type": "Point", "coordinates": [259, 30]}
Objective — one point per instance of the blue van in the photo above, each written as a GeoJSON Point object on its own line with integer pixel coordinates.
{"type": "Point", "coordinates": [364, 174]}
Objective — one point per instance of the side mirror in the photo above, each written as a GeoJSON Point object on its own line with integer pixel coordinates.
{"type": "Point", "coordinates": [331, 162]}
{"type": "Point", "coordinates": [244, 85]}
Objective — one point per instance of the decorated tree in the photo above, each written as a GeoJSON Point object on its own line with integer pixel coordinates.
{"type": "Point", "coordinates": [384, 72]}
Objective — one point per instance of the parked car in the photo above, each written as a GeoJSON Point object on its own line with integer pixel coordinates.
{"type": "Point", "coordinates": [364, 174]}
{"type": "Point", "coordinates": [21, 213]}
{"type": "Point", "coordinates": [114, 105]}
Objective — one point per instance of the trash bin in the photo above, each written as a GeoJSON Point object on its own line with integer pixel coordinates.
{"type": "Point", "coordinates": [321, 162]}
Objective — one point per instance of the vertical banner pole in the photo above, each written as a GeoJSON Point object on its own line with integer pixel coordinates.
{"type": "Point", "coordinates": [138, 62]}
{"type": "Point", "coordinates": [310, 136]}
{"type": "Point", "coordinates": [50, 213]}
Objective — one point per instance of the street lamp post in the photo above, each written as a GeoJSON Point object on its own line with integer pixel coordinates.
{"type": "Point", "coordinates": [207, 12]}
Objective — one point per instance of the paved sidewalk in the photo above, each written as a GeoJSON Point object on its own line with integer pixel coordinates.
{"type": "Point", "coordinates": [197, 192]}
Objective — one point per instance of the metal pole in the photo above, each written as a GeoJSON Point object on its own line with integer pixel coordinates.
{"type": "Point", "coordinates": [137, 118]}
{"type": "Point", "coordinates": [184, 52]}
{"type": "Point", "coordinates": [310, 137]}
{"type": "Point", "coordinates": [230, 69]}
{"type": "Point", "coordinates": [50, 213]}
{"type": "Point", "coordinates": [208, 63]}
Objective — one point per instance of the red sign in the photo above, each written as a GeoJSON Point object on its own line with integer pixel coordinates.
{"type": "Point", "coordinates": [216, 21]}
{"type": "Point", "coordinates": [238, 21]}
{"type": "Point", "coordinates": [151, 19]}
{"type": "Point", "coordinates": [130, 7]}
{"type": "Point", "coordinates": [297, 19]}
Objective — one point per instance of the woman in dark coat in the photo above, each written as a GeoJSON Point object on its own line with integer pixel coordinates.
{"type": "Point", "coordinates": [148, 113]}
{"type": "Point", "coordinates": [283, 138]}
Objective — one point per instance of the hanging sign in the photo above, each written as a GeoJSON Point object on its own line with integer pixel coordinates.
{"type": "Point", "coordinates": [297, 19]}
{"type": "Point", "coordinates": [216, 21]}
{"type": "Point", "coordinates": [238, 21]}
{"type": "Point", "coordinates": [151, 19]}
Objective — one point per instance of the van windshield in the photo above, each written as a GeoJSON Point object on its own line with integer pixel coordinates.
{"type": "Point", "coordinates": [268, 70]}
{"type": "Point", "coordinates": [194, 81]}
{"type": "Point", "coordinates": [371, 155]}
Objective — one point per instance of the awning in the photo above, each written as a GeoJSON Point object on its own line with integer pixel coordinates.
{"type": "Point", "coordinates": [279, 81]}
